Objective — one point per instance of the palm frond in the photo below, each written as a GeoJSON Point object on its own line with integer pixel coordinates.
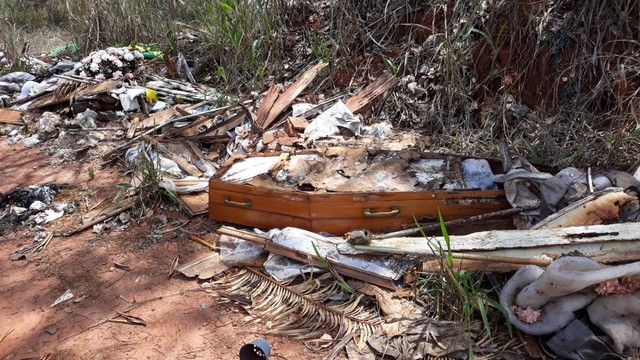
{"type": "Point", "coordinates": [303, 311]}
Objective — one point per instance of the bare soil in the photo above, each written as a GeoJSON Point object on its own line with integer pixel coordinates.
{"type": "Point", "coordinates": [182, 322]}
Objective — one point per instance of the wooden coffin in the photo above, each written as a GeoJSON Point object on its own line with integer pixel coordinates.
{"type": "Point", "coordinates": [263, 206]}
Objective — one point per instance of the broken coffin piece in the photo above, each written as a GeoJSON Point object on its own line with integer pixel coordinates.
{"type": "Point", "coordinates": [342, 189]}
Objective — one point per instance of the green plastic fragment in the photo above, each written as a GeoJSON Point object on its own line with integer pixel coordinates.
{"type": "Point", "coordinates": [71, 47]}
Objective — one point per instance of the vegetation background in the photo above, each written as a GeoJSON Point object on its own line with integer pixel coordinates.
{"type": "Point", "coordinates": [558, 81]}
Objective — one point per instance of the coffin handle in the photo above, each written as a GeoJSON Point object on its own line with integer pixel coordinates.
{"type": "Point", "coordinates": [394, 211]}
{"type": "Point", "coordinates": [245, 204]}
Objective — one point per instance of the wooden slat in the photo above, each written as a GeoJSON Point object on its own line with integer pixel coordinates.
{"type": "Point", "coordinates": [375, 89]}
{"type": "Point", "coordinates": [159, 118]}
{"type": "Point", "coordinates": [291, 93]}
{"type": "Point", "coordinates": [339, 227]}
{"type": "Point", "coordinates": [267, 103]}
{"type": "Point", "coordinates": [164, 116]}
{"type": "Point", "coordinates": [9, 116]}
{"type": "Point", "coordinates": [195, 204]}
{"type": "Point", "coordinates": [133, 127]}
{"type": "Point", "coordinates": [588, 240]}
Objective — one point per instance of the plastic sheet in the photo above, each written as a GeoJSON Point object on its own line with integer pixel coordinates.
{"type": "Point", "coordinates": [238, 252]}
{"type": "Point", "coordinates": [329, 122]}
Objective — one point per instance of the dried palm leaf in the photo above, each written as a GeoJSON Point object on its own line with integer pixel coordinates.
{"type": "Point", "coordinates": [302, 311]}
{"type": "Point", "coordinates": [68, 87]}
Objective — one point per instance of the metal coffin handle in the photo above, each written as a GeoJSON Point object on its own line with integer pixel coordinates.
{"type": "Point", "coordinates": [245, 204]}
{"type": "Point", "coordinates": [394, 211]}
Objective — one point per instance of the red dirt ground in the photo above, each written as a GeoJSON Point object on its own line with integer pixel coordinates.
{"type": "Point", "coordinates": [186, 323]}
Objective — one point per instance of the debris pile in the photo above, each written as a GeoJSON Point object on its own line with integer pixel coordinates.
{"type": "Point", "coordinates": [329, 191]}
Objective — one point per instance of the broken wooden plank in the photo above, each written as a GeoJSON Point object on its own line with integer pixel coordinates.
{"type": "Point", "coordinates": [100, 215]}
{"type": "Point", "coordinates": [617, 240]}
{"type": "Point", "coordinates": [204, 267]}
{"type": "Point", "coordinates": [210, 139]}
{"type": "Point", "coordinates": [221, 128]}
{"type": "Point", "coordinates": [195, 150]}
{"type": "Point", "coordinates": [182, 162]}
{"type": "Point", "coordinates": [288, 141]}
{"type": "Point", "coordinates": [271, 136]}
{"type": "Point", "coordinates": [195, 204]}
{"type": "Point", "coordinates": [309, 258]}
{"type": "Point", "coordinates": [295, 125]}
{"type": "Point", "coordinates": [9, 116]}
{"type": "Point", "coordinates": [128, 143]}
{"type": "Point", "coordinates": [291, 93]}
{"type": "Point", "coordinates": [267, 103]}
{"type": "Point", "coordinates": [209, 118]}
{"type": "Point", "coordinates": [163, 116]}
{"type": "Point", "coordinates": [68, 92]}
{"type": "Point", "coordinates": [159, 118]}
{"type": "Point", "coordinates": [372, 91]}
{"type": "Point", "coordinates": [133, 127]}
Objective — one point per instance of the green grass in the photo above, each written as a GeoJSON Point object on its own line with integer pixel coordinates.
{"type": "Point", "coordinates": [146, 185]}
{"type": "Point", "coordinates": [346, 289]}
{"type": "Point", "coordinates": [458, 294]}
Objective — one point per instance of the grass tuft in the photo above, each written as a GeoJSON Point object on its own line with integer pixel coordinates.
{"type": "Point", "coordinates": [457, 294]}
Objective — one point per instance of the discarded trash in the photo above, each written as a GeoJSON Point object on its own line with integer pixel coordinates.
{"type": "Point", "coordinates": [577, 341]}
{"type": "Point", "coordinates": [301, 245]}
{"type": "Point", "coordinates": [283, 269]}
{"type": "Point", "coordinates": [128, 99]}
{"type": "Point", "coordinates": [62, 298]}
{"type": "Point", "coordinates": [47, 216]}
{"type": "Point", "coordinates": [558, 191]}
{"type": "Point", "coordinates": [541, 302]}
{"type": "Point", "coordinates": [86, 120]}
{"type": "Point", "coordinates": [202, 242]}
{"type": "Point", "coordinates": [48, 125]}
{"type": "Point", "coordinates": [17, 77]}
{"type": "Point", "coordinates": [610, 204]}
{"type": "Point", "coordinates": [258, 349]}
{"type": "Point", "coordinates": [237, 252]}
{"type": "Point", "coordinates": [122, 266]}
{"type": "Point", "coordinates": [64, 49]}
{"type": "Point", "coordinates": [25, 198]}
{"type": "Point", "coordinates": [37, 206]}
{"type": "Point", "coordinates": [331, 121]}
{"type": "Point", "coordinates": [31, 141]}
{"type": "Point", "coordinates": [34, 204]}
{"type": "Point", "coordinates": [477, 174]}
{"type": "Point", "coordinates": [204, 267]}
